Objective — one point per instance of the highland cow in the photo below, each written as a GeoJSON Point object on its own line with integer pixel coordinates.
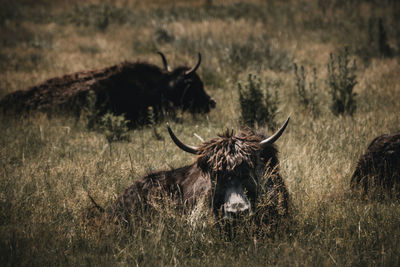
{"type": "Point", "coordinates": [229, 171]}
{"type": "Point", "coordinates": [127, 88]}
{"type": "Point", "coordinates": [378, 170]}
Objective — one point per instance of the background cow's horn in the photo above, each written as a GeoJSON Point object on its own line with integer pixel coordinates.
{"type": "Point", "coordinates": [270, 140]}
{"type": "Point", "coordinates": [195, 67]}
{"type": "Point", "coordinates": [163, 60]}
{"type": "Point", "coordinates": [189, 149]}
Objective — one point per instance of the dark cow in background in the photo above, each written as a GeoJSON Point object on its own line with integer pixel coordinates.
{"type": "Point", "coordinates": [127, 88]}
{"type": "Point", "coordinates": [378, 170]}
{"type": "Point", "coordinates": [229, 170]}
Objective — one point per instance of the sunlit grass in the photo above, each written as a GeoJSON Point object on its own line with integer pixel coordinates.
{"type": "Point", "coordinates": [49, 165]}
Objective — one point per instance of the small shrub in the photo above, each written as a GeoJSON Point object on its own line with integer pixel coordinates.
{"type": "Point", "coordinates": [90, 113]}
{"type": "Point", "coordinates": [307, 96]}
{"type": "Point", "coordinates": [258, 102]}
{"type": "Point", "coordinates": [208, 4]}
{"type": "Point", "coordinates": [267, 55]}
{"type": "Point", "coordinates": [384, 49]}
{"type": "Point", "coordinates": [97, 16]}
{"type": "Point", "coordinates": [341, 81]}
{"type": "Point", "coordinates": [103, 19]}
{"type": "Point", "coordinates": [375, 43]}
{"type": "Point", "coordinates": [162, 35]}
{"type": "Point", "coordinates": [212, 78]}
{"type": "Point", "coordinates": [86, 49]}
{"type": "Point", "coordinates": [144, 46]}
{"type": "Point", "coordinates": [152, 122]}
{"type": "Point", "coordinates": [114, 127]}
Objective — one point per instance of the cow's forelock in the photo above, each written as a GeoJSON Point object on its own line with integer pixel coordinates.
{"type": "Point", "coordinates": [229, 151]}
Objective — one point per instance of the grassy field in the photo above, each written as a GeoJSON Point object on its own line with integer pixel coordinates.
{"type": "Point", "coordinates": [48, 165]}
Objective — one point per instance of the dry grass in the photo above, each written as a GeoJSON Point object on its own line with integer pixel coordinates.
{"type": "Point", "coordinates": [48, 165]}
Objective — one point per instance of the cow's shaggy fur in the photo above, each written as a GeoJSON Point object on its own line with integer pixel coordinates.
{"type": "Point", "coordinates": [378, 170]}
{"type": "Point", "coordinates": [229, 151]}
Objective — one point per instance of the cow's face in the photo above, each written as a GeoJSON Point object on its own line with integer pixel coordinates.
{"type": "Point", "coordinates": [235, 164]}
{"type": "Point", "coordinates": [191, 93]}
{"type": "Point", "coordinates": [235, 191]}
{"type": "Point", "coordinates": [186, 90]}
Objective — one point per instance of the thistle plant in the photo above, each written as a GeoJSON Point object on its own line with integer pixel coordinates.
{"type": "Point", "coordinates": [341, 82]}
{"type": "Point", "coordinates": [258, 102]}
{"type": "Point", "coordinates": [307, 95]}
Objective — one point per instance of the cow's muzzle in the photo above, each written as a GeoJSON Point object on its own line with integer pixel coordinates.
{"type": "Point", "coordinates": [236, 203]}
{"type": "Point", "coordinates": [212, 103]}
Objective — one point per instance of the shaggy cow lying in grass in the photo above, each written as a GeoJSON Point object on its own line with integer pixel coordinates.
{"type": "Point", "coordinates": [127, 88]}
{"type": "Point", "coordinates": [378, 170]}
{"type": "Point", "coordinates": [237, 175]}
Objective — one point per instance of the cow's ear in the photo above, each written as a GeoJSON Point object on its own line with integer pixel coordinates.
{"type": "Point", "coordinates": [202, 162]}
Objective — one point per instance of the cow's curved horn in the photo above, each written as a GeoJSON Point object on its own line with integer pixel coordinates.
{"type": "Point", "coordinates": [163, 60]}
{"type": "Point", "coordinates": [189, 149]}
{"type": "Point", "coordinates": [193, 70]}
{"type": "Point", "coordinates": [270, 140]}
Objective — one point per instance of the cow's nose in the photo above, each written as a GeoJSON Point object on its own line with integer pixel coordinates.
{"type": "Point", "coordinates": [237, 207]}
{"type": "Point", "coordinates": [212, 103]}
{"type": "Point", "coordinates": [235, 202]}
